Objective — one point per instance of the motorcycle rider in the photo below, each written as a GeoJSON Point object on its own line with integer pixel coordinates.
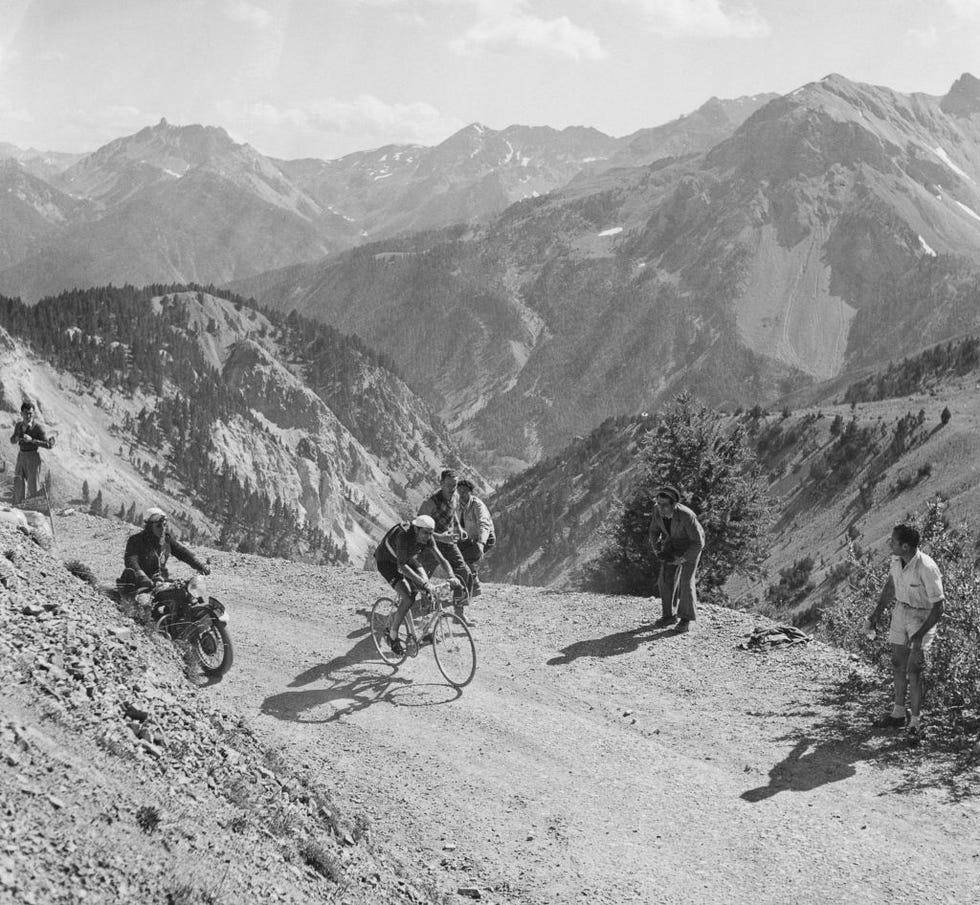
{"type": "Point", "coordinates": [147, 553]}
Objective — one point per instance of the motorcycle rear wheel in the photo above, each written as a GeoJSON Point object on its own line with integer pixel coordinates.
{"type": "Point", "coordinates": [212, 649]}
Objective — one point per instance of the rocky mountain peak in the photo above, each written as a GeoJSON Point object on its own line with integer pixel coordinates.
{"type": "Point", "coordinates": [963, 98]}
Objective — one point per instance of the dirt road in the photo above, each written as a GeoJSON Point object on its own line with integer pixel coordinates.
{"type": "Point", "coordinates": [594, 758]}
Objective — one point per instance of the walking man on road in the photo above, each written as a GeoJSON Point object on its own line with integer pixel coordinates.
{"type": "Point", "coordinates": [478, 533]}
{"type": "Point", "coordinates": [442, 507]}
{"type": "Point", "coordinates": [677, 539]}
{"type": "Point", "coordinates": [915, 585]}
{"type": "Point", "coordinates": [30, 436]}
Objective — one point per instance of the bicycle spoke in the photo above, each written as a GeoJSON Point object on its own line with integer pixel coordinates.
{"type": "Point", "coordinates": [454, 650]}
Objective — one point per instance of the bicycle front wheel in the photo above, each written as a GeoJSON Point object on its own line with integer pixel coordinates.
{"type": "Point", "coordinates": [382, 614]}
{"type": "Point", "coordinates": [454, 650]}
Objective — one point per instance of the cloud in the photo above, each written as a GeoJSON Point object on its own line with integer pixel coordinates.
{"type": "Point", "coordinates": [515, 28]}
{"type": "Point", "coordinates": [367, 118]}
{"type": "Point", "coordinates": [927, 38]}
{"type": "Point", "coordinates": [704, 18]}
{"type": "Point", "coordinates": [249, 13]}
{"type": "Point", "coordinates": [966, 9]}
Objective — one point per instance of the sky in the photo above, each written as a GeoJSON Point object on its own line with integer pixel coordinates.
{"type": "Point", "coordinates": [324, 78]}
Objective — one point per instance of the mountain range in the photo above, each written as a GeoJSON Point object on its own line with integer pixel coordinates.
{"type": "Point", "coordinates": [835, 228]}
{"type": "Point", "coordinates": [188, 204]}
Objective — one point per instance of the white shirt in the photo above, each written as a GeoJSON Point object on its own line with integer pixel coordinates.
{"type": "Point", "coordinates": [919, 584]}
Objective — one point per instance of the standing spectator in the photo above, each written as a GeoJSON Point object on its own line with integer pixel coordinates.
{"type": "Point", "coordinates": [915, 585]}
{"type": "Point", "coordinates": [478, 534]}
{"type": "Point", "coordinates": [30, 436]}
{"type": "Point", "coordinates": [677, 539]}
{"type": "Point", "coordinates": [441, 507]}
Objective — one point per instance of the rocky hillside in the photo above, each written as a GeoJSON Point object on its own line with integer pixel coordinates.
{"type": "Point", "coordinates": [260, 432]}
{"type": "Point", "coordinates": [188, 204]}
{"type": "Point", "coordinates": [122, 781]}
{"type": "Point", "coordinates": [837, 226]}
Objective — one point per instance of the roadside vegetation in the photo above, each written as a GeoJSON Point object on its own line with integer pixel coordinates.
{"type": "Point", "coordinates": [711, 461]}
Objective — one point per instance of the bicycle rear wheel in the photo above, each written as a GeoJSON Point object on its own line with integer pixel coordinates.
{"type": "Point", "coordinates": [382, 613]}
{"type": "Point", "coordinates": [454, 650]}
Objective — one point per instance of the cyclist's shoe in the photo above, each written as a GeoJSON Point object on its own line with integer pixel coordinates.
{"type": "Point", "coordinates": [396, 645]}
{"type": "Point", "coordinates": [665, 621]}
{"type": "Point", "coordinates": [914, 735]}
{"type": "Point", "coordinates": [684, 626]}
{"type": "Point", "coordinates": [476, 590]}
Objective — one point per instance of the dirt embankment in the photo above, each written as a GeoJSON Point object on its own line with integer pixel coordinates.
{"type": "Point", "coordinates": [593, 759]}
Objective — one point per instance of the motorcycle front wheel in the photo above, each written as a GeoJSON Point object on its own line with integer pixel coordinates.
{"type": "Point", "coordinates": [212, 648]}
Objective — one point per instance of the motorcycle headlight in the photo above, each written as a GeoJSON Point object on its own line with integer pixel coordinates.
{"type": "Point", "coordinates": [196, 586]}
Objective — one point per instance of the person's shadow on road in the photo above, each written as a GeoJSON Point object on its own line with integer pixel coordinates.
{"type": "Point", "coordinates": [828, 755]}
{"type": "Point", "coordinates": [355, 681]}
{"type": "Point", "coordinates": [611, 645]}
{"type": "Point", "coordinates": [807, 766]}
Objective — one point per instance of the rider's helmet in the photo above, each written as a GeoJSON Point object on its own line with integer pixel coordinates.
{"type": "Point", "coordinates": [153, 515]}
{"type": "Point", "coordinates": [424, 521]}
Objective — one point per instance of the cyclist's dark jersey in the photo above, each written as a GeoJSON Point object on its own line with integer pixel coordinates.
{"type": "Point", "coordinates": [402, 546]}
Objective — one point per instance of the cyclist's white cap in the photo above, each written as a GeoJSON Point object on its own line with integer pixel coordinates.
{"type": "Point", "coordinates": [424, 521]}
{"type": "Point", "coordinates": [153, 515]}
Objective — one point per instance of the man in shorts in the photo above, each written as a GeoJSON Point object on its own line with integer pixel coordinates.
{"type": "Point", "coordinates": [397, 558]}
{"type": "Point", "coordinates": [916, 587]}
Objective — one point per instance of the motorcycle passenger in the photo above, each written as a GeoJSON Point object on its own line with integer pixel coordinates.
{"type": "Point", "coordinates": [397, 558]}
{"type": "Point", "coordinates": [147, 553]}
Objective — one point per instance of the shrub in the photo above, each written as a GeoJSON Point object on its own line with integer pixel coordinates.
{"type": "Point", "coordinates": [710, 461]}
{"type": "Point", "coordinates": [321, 859]}
{"type": "Point", "coordinates": [793, 585]}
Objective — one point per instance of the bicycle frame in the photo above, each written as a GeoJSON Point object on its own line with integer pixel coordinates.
{"type": "Point", "coordinates": [437, 601]}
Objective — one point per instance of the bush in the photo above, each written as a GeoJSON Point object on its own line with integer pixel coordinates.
{"type": "Point", "coordinates": [793, 585]}
{"type": "Point", "coordinates": [709, 459]}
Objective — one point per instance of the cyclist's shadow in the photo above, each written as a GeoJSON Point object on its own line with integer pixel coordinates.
{"type": "Point", "coordinates": [355, 680]}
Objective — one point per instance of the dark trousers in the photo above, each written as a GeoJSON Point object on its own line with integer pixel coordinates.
{"type": "Point", "coordinates": [27, 475]}
{"type": "Point", "coordinates": [471, 552]}
{"type": "Point", "coordinates": [455, 560]}
{"type": "Point", "coordinates": [678, 595]}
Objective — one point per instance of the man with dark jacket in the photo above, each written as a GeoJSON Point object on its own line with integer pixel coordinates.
{"type": "Point", "coordinates": [442, 507]}
{"type": "Point", "coordinates": [677, 539]}
{"type": "Point", "coordinates": [29, 437]}
{"type": "Point", "coordinates": [148, 551]}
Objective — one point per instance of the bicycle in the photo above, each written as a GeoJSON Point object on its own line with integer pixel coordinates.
{"type": "Point", "coordinates": [452, 643]}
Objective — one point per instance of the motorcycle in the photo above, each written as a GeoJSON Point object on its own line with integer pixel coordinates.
{"type": "Point", "coordinates": [183, 610]}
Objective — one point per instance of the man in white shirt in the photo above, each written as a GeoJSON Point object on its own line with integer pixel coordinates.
{"type": "Point", "coordinates": [474, 516]}
{"type": "Point", "coordinates": [916, 586]}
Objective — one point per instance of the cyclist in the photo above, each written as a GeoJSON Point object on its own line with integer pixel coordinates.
{"type": "Point", "coordinates": [397, 558]}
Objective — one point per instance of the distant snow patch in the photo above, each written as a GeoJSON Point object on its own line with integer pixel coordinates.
{"type": "Point", "coordinates": [172, 173]}
{"type": "Point", "coordinates": [944, 157]}
{"type": "Point", "coordinates": [611, 232]}
{"type": "Point", "coordinates": [968, 210]}
{"type": "Point", "coordinates": [381, 176]}
{"type": "Point", "coordinates": [926, 248]}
